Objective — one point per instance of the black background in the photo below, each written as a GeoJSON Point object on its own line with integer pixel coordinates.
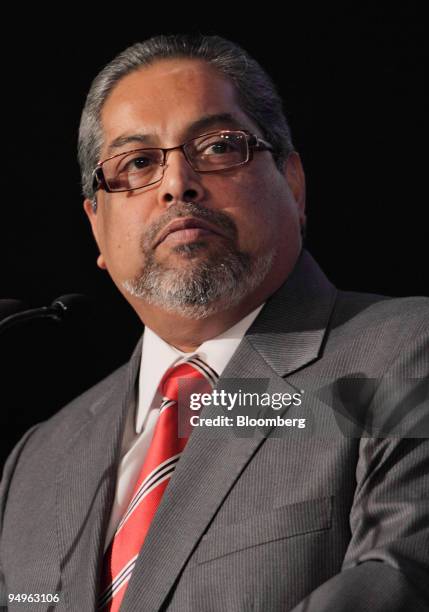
{"type": "Point", "coordinates": [354, 85]}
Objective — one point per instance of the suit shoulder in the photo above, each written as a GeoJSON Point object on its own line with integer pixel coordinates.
{"type": "Point", "coordinates": [74, 415]}
{"type": "Point", "coordinates": [80, 404]}
{"type": "Point", "coordinates": [374, 309]}
{"type": "Point", "coordinates": [380, 331]}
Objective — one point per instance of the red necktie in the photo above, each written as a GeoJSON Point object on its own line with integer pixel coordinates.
{"type": "Point", "coordinates": [161, 459]}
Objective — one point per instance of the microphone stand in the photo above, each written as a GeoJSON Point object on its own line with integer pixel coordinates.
{"type": "Point", "coordinates": [59, 309]}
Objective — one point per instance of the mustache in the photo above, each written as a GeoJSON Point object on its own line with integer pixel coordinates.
{"type": "Point", "coordinates": [189, 209]}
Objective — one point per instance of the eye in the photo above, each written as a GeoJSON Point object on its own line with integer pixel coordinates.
{"type": "Point", "coordinates": [219, 146]}
{"type": "Point", "coordinates": [138, 161]}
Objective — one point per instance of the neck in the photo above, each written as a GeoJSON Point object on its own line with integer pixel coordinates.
{"type": "Point", "coordinates": [188, 334]}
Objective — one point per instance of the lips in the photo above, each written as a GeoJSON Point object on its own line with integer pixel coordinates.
{"type": "Point", "coordinates": [180, 229]}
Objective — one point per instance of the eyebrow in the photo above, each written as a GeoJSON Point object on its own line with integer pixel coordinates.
{"type": "Point", "coordinates": [197, 127]}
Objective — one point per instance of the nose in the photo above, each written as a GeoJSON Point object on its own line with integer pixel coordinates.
{"type": "Point", "coordinates": [180, 183]}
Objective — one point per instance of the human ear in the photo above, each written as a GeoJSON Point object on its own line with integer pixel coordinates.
{"type": "Point", "coordinates": [295, 178]}
{"type": "Point", "coordinates": [90, 208]}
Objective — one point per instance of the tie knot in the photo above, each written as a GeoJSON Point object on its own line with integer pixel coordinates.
{"type": "Point", "coordinates": [187, 376]}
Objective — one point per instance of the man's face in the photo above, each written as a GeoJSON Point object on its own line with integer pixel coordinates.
{"type": "Point", "coordinates": [252, 213]}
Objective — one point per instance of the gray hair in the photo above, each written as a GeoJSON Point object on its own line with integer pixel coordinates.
{"type": "Point", "coordinates": [257, 94]}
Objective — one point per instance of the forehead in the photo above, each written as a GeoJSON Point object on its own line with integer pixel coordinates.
{"type": "Point", "coordinates": [164, 99]}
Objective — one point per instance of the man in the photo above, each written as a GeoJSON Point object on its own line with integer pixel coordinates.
{"type": "Point", "coordinates": [196, 199]}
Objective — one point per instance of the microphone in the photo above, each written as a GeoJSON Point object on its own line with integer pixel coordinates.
{"type": "Point", "coordinates": [61, 308]}
{"type": "Point", "coordinates": [9, 307]}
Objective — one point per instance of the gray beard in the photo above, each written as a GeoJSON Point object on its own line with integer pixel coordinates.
{"type": "Point", "coordinates": [198, 292]}
{"type": "Point", "coordinates": [221, 280]}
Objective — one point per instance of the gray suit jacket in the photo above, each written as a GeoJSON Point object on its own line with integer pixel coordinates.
{"type": "Point", "coordinates": [333, 517]}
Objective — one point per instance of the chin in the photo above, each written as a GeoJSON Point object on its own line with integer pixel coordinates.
{"type": "Point", "coordinates": [193, 250]}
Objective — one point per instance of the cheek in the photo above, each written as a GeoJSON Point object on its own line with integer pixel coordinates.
{"type": "Point", "coordinates": [121, 244]}
{"type": "Point", "coordinates": [259, 209]}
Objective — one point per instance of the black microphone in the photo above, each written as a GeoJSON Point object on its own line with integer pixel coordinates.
{"type": "Point", "coordinates": [61, 308]}
{"type": "Point", "coordinates": [9, 307]}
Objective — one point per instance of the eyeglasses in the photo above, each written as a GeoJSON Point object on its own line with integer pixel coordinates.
{"type": "Point", "coordinates": [207, 153]}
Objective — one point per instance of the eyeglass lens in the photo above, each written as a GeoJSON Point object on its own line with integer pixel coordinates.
{"type": "Point", "coordinates": [207, 153]}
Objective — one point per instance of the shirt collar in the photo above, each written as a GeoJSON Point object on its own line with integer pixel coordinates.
{"type": "Point", "coordinates": [158, 356]}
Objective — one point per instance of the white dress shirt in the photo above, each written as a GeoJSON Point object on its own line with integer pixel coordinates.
{"type": "Point", "coordinates": [157, 357]}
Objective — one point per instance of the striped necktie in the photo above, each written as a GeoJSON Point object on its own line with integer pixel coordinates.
{"type": "Point", "coordinates": [170, 436]}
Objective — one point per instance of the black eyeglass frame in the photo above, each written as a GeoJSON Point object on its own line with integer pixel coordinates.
{"type": "Point", "coordinates": [254, 143]}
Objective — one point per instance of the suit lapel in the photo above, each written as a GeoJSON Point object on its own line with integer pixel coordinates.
{"type": "Point", "coordinates": [86, 486]}
{"type": "Point", "coordinates": [290, 329]}
{"type": "Point", "coordinates": [286, 336]}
